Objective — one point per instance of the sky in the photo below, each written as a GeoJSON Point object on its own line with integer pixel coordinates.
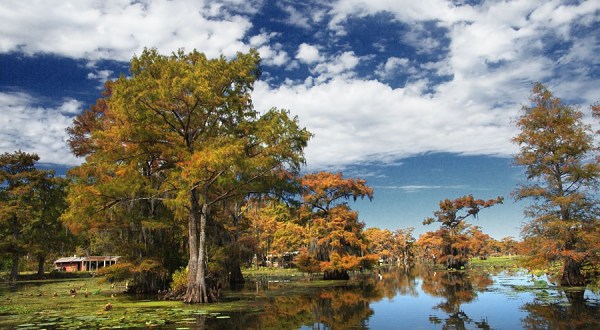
{"type": "Point", "coordinates": [417, 97]}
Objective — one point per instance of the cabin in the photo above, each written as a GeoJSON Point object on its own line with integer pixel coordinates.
{"type": "Point", "coordinates": [84, 264]}
{"type": "Point", "coordinates": [284, 260]}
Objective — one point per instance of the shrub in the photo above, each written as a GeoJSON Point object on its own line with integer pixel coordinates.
{"type": "Point", "coordinates": [179, 280]}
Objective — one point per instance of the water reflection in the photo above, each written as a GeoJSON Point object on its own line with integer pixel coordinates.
{"type": "Point", "coordinates": [417, 298]}
{"type": "Point", "coordinates": [456, 288]}
{"type": "Point", "coordinates": [570, 310]}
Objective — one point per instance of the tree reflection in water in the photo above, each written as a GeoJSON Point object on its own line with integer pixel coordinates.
{"type": "Point", "coordinates": [570, 311]}
{"type": "Point", "coordinates": [456, 288]}
{"type": "Point", "coordinates": [399, 298]}
{"type": "Point", "coordinates": [339, 307]}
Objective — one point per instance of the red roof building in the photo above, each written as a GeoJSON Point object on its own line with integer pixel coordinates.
{"type": "Point", "coordinates": [84, 264]}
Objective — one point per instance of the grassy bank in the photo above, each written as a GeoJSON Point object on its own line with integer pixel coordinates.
{"type": "Point", "coordinates": [275, 272]}
{"type": "Point", "coordinates": [502, 262]}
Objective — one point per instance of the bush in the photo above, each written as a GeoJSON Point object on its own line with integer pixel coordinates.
{"type": "Point", "coordinates": [179, 280]}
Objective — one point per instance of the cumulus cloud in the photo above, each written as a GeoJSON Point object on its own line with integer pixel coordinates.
{"type": "Point", "coordinates": [357, 121]}
{"type": "Point", "coordinates": [404, 10]}
{"type": "Point", "coordinates": [308, 54]}
{"type": "Point", "coordinates": [340, 66]}
{"type": "Point", "coordinates": [36, 129]}
{"type": "Point", "coordinates": [494, 52]}
{"type": "Point", "coordinates": [116, 30]}
{"type": "Point", "coordinates": [295, 17]}
{"type": "Point", "coordinates": [470, 71]}
{"type": "Point", "coordinates": [391, 66]}
{"type": "Point", "coordinates": [101, 75]}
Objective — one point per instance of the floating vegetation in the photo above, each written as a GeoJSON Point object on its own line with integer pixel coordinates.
{"type": "Point", "coordinates": [22, 307]}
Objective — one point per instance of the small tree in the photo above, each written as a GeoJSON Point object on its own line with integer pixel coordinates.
{"type": "Point", "coordinates": [451, 216]}
{"type": "Point", "coordinates": [335, 233]}
{"type": "Point", "coordinates": [405, 245]}
{"type": "Point", "coordinates": [557, 151]}
{"type": "Point", "coordinates": [380, 242]}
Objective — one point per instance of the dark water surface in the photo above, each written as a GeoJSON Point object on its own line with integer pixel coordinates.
{"type": "Point", "coordinates": [416, 299]}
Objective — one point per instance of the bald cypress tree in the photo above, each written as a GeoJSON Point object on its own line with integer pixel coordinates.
{"type": "Point", "coordinates": [560, 159]}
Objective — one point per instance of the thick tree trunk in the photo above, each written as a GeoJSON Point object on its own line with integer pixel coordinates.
{"type": "Point", "coordinates": [196, 290]}
{"type": "Point", "coordinates": [338, 274]}
{"type": "Point", "coordinates": [236, 277]}
{"type": "Point", "coordinates": [456, 264]}
{"type": "Point", "coordinates": [201, 274]}
{"type": "Point", "coordinates": [41, 263]}
{"type": "Point", "coordinates": [572, 275]}
{"type": "Point", "coordinates": [192, 294]}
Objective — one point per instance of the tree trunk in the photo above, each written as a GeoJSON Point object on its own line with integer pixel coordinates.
{"type": "Point", "coordinates": [196, 290]}
{"type": "Point", "coordinates": [572, 275]}
{"type": "Point", "coordinates": [192, 294]}
{"type": "Point", "coordinates": [41, 263]}
{"type": "Point", "coordinates": [201, 274]}
{"type": "Point", "coordinates": [236, 277]}
{"type": "Point", "coordinates": [14, 271]}
{"type": "Point", "coordinates": [338, 274]}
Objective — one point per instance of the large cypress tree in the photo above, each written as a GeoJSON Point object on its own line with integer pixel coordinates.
{"type": "Point", "coordinates": [558, 152]}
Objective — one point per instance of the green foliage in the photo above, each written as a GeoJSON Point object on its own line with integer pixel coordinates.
{"type": "Point", "coordinates": [118, 272]}
{"type": "Point", "coordinates": [179, 280]}
{"type": "Point", "coordinates": [31, 201]}
{"type": "Point", "coordinates": [167, 147]}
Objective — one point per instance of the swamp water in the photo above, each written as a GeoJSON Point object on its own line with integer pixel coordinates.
{"type": "Point", "coordinates": [423, 299]}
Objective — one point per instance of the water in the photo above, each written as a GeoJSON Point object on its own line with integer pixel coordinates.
{"type": "Point", "coordinates": [417, 299]}
{"type": "Point", "coordinates": [428, 299]}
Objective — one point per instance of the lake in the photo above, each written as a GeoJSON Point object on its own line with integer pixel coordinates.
{"type": "Point", "coordinates": [421, 298]}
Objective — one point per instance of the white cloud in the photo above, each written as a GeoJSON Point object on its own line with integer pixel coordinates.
{"type": "Point", "coordinates": [339, 66]}
{"type": "Point", "coordinates": [408, 11]}
{"type": "Point", "coordinates": [273, 56]}
{"type": "Point", "coordinates": [117, 29]}
{"type": "Point", "coordinates": [391, 66]}
{"type": "Point", "coordinates": [295, 17]}
{"type": "Point", "coordinates": [308, 54]}
{"type": "Point", "coordinates": [462, 98]}
{"type": "Point", "coordinates": [358, 121]}
{"type": "Point", "coordinates": [416, 188]}
{"type": "Point", "coordinates": [270, 53]}
{"type": "Point", "coordinates": [70, 107]}
{"type": "Point", "coordinates": [101, 75]}
{"type": "Point", "coordinates": [31, 128]}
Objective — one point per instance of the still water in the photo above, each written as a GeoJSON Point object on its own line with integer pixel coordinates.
{"type": "Point", "coordinates": [419, 298]}
{"type": "Point", "coordinates": [422, 299]}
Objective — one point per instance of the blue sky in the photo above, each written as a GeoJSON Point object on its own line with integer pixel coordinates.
{"type": "Point", "coordinates": [417, 97]}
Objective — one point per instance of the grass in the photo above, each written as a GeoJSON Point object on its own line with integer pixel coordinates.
{"type": "Point", "coordinates": [502, 262]}
{"type": "Point", "coordinates": [275, 272]}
